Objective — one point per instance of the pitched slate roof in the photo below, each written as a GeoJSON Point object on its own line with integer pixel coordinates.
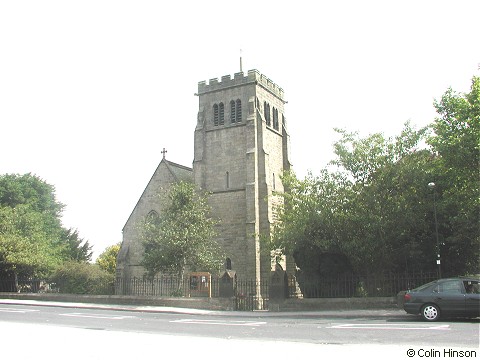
{"type": "Point", "coordinates": [179, 173]}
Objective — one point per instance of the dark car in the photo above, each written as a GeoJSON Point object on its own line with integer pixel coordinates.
{"type": "Point", "coordinates": [454, 297]}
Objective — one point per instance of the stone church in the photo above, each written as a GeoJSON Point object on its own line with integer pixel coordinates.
{"type": "Point", "coordinates": [241, 149]}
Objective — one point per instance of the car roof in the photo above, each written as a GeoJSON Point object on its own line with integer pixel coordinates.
{"type": "Point", "coordinates": [463, 278]}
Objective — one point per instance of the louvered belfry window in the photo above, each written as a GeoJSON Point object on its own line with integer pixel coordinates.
{"type": "Point", "coordinates": [221, 114]}
{"type": "Point", "coordinates": [233, 117]}
{"type": "Point", "coordinates": [215, 115]}
{"type": "Point", "coordinates": [239, 110]}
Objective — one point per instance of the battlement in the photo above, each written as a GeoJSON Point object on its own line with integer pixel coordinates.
{"type": "Point", "coordinates": [253, 77]}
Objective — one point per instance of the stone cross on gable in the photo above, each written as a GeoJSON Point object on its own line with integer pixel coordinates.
{"type": "Point", "coordinates": [164, 152]}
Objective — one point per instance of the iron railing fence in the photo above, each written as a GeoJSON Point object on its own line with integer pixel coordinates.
{"type": "Point", "coordinates": [164, 286]}
{"type": "Point", "coordinates": [245, 291]}
{"type": "Point", "coordinates": [355, 285]}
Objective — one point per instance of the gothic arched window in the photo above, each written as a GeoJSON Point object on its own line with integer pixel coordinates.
{"type": "Point", "coordinates": [228, 264]}
{"type": "Point", "coordinates": [232, 112]}
{"type": "Point", "coordinates": [266, 112]}
{"type": "Point", "coordinates": [152, 220]}
{"type": "Point", "coordinates": [238, 110]}
{"type": "Point", "coordinates": [221, 114]}
{"type": "Point", "coordinates": [275, 118]}
{"type": "Point", "coordinates": [152, 216]}
{"type": "Point", "coordinates": [215, 115]}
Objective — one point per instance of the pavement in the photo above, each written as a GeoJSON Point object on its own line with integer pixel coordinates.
{"type": "Point", "coordinates": [351, 314]}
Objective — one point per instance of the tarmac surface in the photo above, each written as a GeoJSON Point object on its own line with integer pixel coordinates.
{"type": "Point", "coordinates": [121, 344]}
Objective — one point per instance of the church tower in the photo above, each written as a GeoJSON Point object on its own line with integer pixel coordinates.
{"type": "Point", "coordinates": [241, 150]}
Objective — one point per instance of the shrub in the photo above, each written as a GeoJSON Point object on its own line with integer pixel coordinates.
{"type": "Point", "coordinates": [82, 278]}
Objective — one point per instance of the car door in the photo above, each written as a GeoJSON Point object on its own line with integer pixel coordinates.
{"type": "Point", "coordinates": [450, 296]}
{"type": "Point", "coordinates": [472, 298]}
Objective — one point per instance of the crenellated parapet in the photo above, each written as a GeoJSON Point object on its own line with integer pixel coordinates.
{"type": "Point", "coordinates": [239, 79]}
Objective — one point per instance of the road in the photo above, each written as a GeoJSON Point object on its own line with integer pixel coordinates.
{"type": "Point", "coordinates": [86, 333]}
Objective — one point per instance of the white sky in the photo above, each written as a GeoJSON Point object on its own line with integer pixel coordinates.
{"type": "Point", "coordinates": [91, 91]}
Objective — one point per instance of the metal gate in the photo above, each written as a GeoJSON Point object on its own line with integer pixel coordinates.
{"type": "Point", "coordinates": [246, 298]}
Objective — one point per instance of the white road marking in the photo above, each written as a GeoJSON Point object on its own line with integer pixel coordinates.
{"type": "Point", "coordinates": [219, 322]}
{"type": "Point", "coordinates": [97, 316]}
{"type": "Point", "coordinates": [10, 310]}
{"type": "Point", "coordinates": [390, 326]}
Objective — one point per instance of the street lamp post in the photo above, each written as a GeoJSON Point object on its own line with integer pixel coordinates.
{"type": "Point", "coordinates": [432, 186]}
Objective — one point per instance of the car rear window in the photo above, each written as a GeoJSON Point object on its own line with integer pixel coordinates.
{"type": "Point", "coordinates": [452, 286]}
{"type": "Point", "coordinates": [425, 286]}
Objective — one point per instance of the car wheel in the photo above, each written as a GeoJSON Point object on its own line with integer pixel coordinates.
{"type": "Point", "coordinates": [431, 312]}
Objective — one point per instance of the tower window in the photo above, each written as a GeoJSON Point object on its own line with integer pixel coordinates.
{"type": "Point", "coordinates": [228, 264]}
{"type": "Point", "coordinates": [275, 118]}
{"type": "Point", "coordinates": [221, 114]}
{"type": "Point", "coordinates": [273, 181]}
{"type": "Point", "coordinates": [227, 180]}
{"type": "Point", "coordinates": [215, 115]}
{"type": "Point", "coordinates": [235, 111]}
{"type": "Point", "coordinates": [239, 110]}
{"type": "Point", "coordinates": [232, 112]}
{"type": "Point", "coordinates": [266, 112]}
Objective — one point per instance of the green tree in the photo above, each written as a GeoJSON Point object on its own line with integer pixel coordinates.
{"type": "Point", "coordinates": [26, 247]}
{"type": "Point", "coordinates": [32, 191]}
{"type": "Point", "coordinates": [310, 223]}
{"type": "Point", "coordinates": [30, 226]}
{"type": "Point", "coordinates": [456, 140]}
{"type": "Point", "coordinates": [376, 209]}
{"type": "Point", "coordinates": [369, 213]}
{"type": "Point", "coordinates": [107, 260]}
{"type": "Point", "coordinates": [309, 212]}
{"type": "Point", "coordinates": [183, 235]}
{"type": "Point", "coordinates": [389, 220]}
{"type": "Point", "coordinates": [32, 239]}
{"type": "Point", "coordinates": [362, 158]}
{"type": "Point", "coordinates": [75, 247]}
